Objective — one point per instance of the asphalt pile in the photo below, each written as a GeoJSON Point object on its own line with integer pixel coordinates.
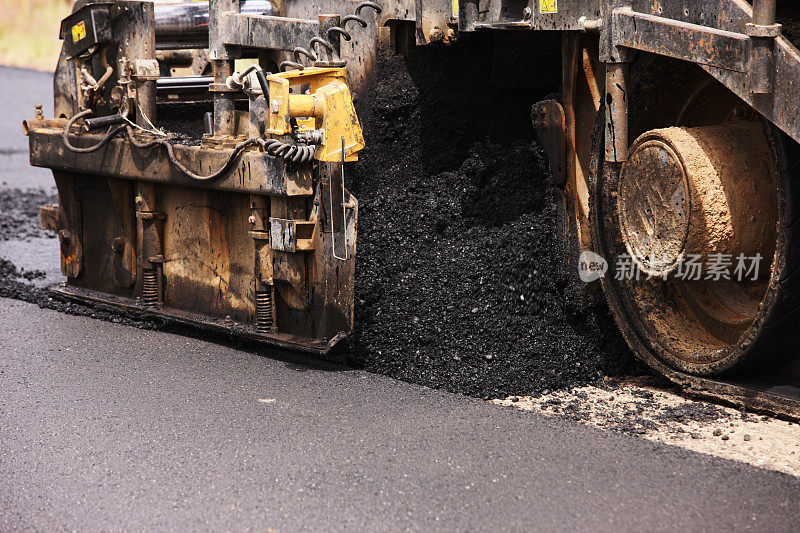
{"type": "Point", "coordinates": [461, 277]}
{"type": "Point", "coordinates": [19, 210]}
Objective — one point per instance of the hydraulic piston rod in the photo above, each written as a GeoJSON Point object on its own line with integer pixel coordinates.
{"type": "Point", "coordinates": [181, 24]}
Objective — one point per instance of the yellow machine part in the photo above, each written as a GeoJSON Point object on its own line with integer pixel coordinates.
{"type": "Point", "coordinates": [327, 102]}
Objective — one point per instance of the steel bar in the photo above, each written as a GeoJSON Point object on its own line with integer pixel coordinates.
{"type": "Point", "coordinates": [764, 12]}
{"type": "Point", "coordinates": [184, 83]}
{"type": "Point", "coordinates": [672, 38]}
{"type": "Point", "coordinates": [266, 32]}
{"type": "Point", "coordinates": [762, 32]}
{"type": "Point", "coordinates": [182, 23]}
{"type": "Point", "coordinates": [222, 57]}
{"type": "Point", "coordinates": [616, 129]}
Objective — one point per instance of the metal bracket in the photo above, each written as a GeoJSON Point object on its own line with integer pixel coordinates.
{"type": "Point", "coordinates": [144, 69]}
{"type": "Point", "coordinates": [337, 206]}
{"type": "Point", "coordinates": [287, 235]}
{"type": "Point", "coordinates": [759, 30]}
{"type": "Point", "coordinates": [549, 122]}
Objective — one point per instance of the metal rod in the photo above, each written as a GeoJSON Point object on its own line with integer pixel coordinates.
{"type": "Point", "coordinates": [762, 32]}
{"type": "Point", "coordinates": [257, 112]}
{"type": "Point", "coordinates": [616, 130]}
{"type": "Point", "coordinates": [190, 20]}
{"type": "Point", "coordinates": [764, 12]}
{"type": "Point", "coordinates": [224, 99]}
{"type": "Point", "coordinates": [134, 28]}
{"type": "Point", "coordinates": [222, 62]}
{"type": "Point", "coordinates": [176, 83]}
{"type": "Point", "coordinates": [467, 15]}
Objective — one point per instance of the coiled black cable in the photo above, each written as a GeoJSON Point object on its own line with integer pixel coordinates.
{"type": "Point", "coordinates": [297, 153]}
{"type": "Point", "coordinates": [108, 136]}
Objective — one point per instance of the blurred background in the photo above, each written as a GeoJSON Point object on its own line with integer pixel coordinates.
{"type": "Point", "coordinates": [29, 32]}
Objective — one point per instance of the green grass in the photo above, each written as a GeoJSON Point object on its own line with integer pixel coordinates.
{"type": "Point", "coordinates": [29, 32]}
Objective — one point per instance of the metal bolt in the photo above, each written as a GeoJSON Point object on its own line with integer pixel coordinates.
{"type": "Point", "coordinates": [118, 245]}
{"type": "Point", "coordinates": [64, 236]}
{"type": "Point", "coordinates": [451, 34]}
{"type": "Point", "coordinates": [39, 112]}
{"type": "Point", "coordinates": [276, 106]}
{"type": "Point", "coordinates": [252, 219]}
{"type": "Point", "coordinates": [526, 13]}
{"type": "Point", "coordinates": [139, 200]}
{"type": "Point", "coordinates": [436, 34]}
{"type": "Point", "coordinates": [590, 25]}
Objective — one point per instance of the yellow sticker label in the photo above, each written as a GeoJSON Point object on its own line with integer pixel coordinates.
{"type": "Point", "coordinates": [455, 8]}
{"type": "Point", "coordinates": [78, 32]}
{"type": "Point", "coordinates": [548, 6]}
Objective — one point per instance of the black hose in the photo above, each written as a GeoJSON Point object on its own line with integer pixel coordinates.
{"type": "Point", "coordinates": [180, 166]}
{"type": "Point", "coordinates": [165, 142]}
{"type": "Point", "coordinates": [146, 144]}
{"type": "Point", "coordinates": [276, 148]}
{"type": "Point", "coordinates": [262, 80]}
{"type": "Point", "coordinates": [108, 136]}
{"type": "Point", "coordinates": [101, 122]}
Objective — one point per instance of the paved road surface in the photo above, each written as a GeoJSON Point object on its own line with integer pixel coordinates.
{"type": "Point", "coordinates": [104, 426]}
{"type": "Point", "coordinates": [21, 90]}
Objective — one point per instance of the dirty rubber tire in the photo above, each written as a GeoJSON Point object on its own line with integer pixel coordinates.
{"type": "Point", "coordinates": [773, 335]}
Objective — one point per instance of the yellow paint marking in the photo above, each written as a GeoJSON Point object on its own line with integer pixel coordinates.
{"type": "Point", "coordinates": [78, 32]}
{"type": "Point", "coordinates": [548, 6]}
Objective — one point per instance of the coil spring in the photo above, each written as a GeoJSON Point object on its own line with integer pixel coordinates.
{"type": "Point", "coordinates": [297, 153]}
{"type": "Point", "coordinates": [325, 43]}
{"type": "Point", "coordinates": [150, 296]}
{"type": "Point", "coordinates": [264, 321]}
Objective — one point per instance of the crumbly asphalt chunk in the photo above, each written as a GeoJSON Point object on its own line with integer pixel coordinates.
{"type": "Point", "coordinates": [19, 213]}
{"type": "Point", "coordinates": [461, 281]}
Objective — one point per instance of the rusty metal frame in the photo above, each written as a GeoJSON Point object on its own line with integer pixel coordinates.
{"type": "Point", "coordinates": [201, 321]}
{"type": "Point", "coordinates": [682, 40]}
{"type": "Point", "coordinates": [724, 53]}
{"type": "Point", "coordinates": [256, 172]}
{"type": "Point", "coordinates": [718, 35]}
{"type": "Point", "coordinates": [266, 32]}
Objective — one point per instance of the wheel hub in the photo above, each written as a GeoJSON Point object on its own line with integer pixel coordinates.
{"type": "Point", "coordinates": [697, 191]}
